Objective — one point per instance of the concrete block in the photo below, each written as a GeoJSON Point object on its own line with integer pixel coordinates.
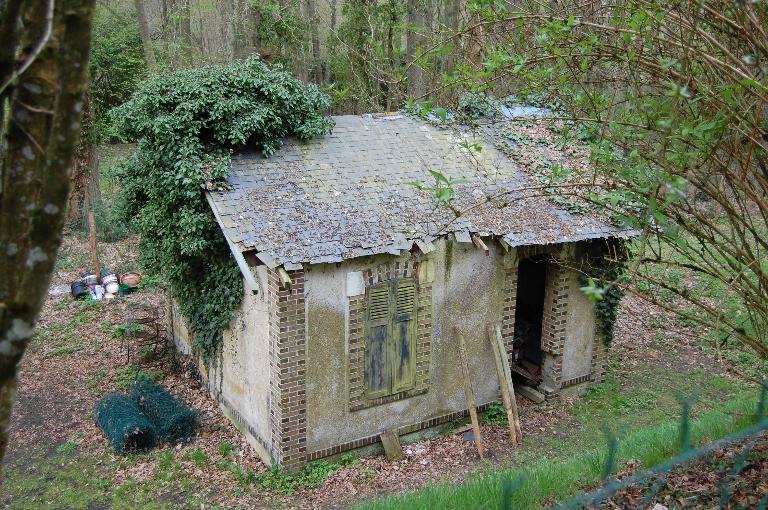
{"type": "Point", "coordinates": [391, 444]}
{"type": "Point", "coordinates": [530, 394]}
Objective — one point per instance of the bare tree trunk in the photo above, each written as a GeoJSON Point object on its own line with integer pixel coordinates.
{"type": "Point", "coordinates": [185, 30]}
{"type": "Point", "coordinates": [79, 183]}
{"type": "Point", "coordinates": [316, 73]}
{"type": "Point", "coordinates": [476, 42]}
{"type": "Point", "coordinates": [454, 12]}
{"type": "Point", "coordinates": [333, 4]}
{"type": "Point", "coordinates": [146, 36]}
{"type": "Point", "coordinates": [9, 26]}
{"type": "Point", "coordinates": [412, 42]}
{"type": "Point", "coordinates": [92, 240]}
{"type": "Point", "coordinates": [164, 14]}
{"type": "Point", "coordinates": [247, 37]}
{"type": "Point", "coordinates": [241, 28]}
{"type": "Point", "coordinates": [45, 103]}
{"type": "Point", "coordinates": [386, 89]}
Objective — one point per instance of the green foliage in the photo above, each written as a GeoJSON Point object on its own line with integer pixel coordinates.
{"type": "Point", "coordinates": [311, 476]}
{"type": "Point", "coordinates": [495, 415]}
{"type": "Point", "coordinates": [365, 52]}
{"type": "Point", "coordinates": [127, 376]}
{"type": "Point", "coordinates": [600, 280]}
{"type": "Point", "coordinates": [279, 24]}
{"type": "Point", "coordinates": [110, 226]}
{"type": "Point", "coordinates": [149, 281]}
{"type": "Point", "coordinates": [186, 124]}
{"type": "Point", "coordinates": [478, 105]}
{"type": "Point", "coordinates": [443, 190]}
{"type": "Point", "coordinates": [116, 63]}
{"type": "Point", "coordinates": [674, 127]}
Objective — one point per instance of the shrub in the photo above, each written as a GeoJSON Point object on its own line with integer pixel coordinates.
{"type": "Point", "coordinates": [187, 124]}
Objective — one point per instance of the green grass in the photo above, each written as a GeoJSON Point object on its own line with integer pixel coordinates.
{"type": "Point", "coordinates": [643, 397]}
{"type": "Point", "coordinates": [126, 376]}
{"type": "Point", "coordinates": [60, 342]}
{"type": "Point", "coordinates": [53, 481]}
{"type": "Point", "coordinates": [547, 479]}
{"type": "Point", "coordinates": [226, 449]}
{"type": "Point", "coordinates": [66, 448]}
{"type": "Point", "coordinates": [63, 351]}
{"type": "Point", "coordinates": [198, 457]}
{"type": "Point", "coordinates": [65, 477]}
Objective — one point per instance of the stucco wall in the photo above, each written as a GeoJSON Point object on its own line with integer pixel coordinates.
{"type": "Point", "coordinates": [579, 332]}
{"type": "Point", "coordinates": [467, 293]}
{"type": "Point", "coordinates": [177, 328]}
{"type": "Point", "coordinates": [244, 379]}
{"type": "Point", "coordinates": [468, 289]}
{"type": "Point", "coordinates": [240, 378]}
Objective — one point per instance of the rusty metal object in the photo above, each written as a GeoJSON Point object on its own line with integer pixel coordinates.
{"type": "Point", "coordinates": [145, 337]}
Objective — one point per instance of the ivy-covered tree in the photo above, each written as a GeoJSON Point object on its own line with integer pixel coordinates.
{"type": "Point", "coordinates": [186, 125]}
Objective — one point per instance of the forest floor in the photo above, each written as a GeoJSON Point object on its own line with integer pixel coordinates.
{"type": "Point", "coordinates": [732, 477]}
{"type": "Point", "coordinates": [58, 458]}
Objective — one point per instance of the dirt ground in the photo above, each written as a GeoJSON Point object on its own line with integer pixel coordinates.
{"type": "Point", "coordinates": [732, 478]}
{"type": "Point", "coordinates": [59, 458]}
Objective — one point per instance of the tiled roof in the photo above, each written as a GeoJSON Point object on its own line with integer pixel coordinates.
{"type": "Point", "coordinates": [348, 195]}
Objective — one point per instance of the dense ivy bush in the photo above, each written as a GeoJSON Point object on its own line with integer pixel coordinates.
{"type": "Point", "coordinates": [187, 124]}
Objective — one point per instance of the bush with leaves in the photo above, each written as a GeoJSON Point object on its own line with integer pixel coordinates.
{"type": "Point", "coordinates": [671, 97]}
{"type": "Point", "coordinates": [187, 124]}
{"type": "Point", "coordinates": [116, 65]}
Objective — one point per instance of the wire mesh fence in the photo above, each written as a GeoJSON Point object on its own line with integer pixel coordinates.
{"type": "Point", "coordinates": [686, 454]}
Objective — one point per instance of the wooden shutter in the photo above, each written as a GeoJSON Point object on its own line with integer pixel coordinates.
{"type": "Point", "coordinates": [403, 345]}
{"type": "Point", "coordinates": [378, 374]}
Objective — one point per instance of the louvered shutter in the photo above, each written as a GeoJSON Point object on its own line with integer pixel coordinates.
{"type": "Point", "coordinates": [402, 345]}
{"type": "Point", "coordinates": [378, 374]}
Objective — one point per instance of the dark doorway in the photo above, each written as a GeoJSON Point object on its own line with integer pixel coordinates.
{"type": "Point", "coordinates": [529, 317]}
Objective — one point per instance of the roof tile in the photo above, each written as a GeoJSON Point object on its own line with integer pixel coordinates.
{"type": "Point", "coordinates": [347, 195]}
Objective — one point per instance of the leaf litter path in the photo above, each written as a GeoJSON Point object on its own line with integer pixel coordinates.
{"type": "Point", "coordinates": [74, 360]}
{"type": "Point", "coordinates": [731, 478]}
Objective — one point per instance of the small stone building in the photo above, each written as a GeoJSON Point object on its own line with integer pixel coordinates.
{"type": "Point", "coordinates": [355, 282]}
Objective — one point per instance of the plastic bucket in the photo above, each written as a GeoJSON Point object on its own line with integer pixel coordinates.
{"type": "Point", "coordinates": [130, 279]}
{"type": "Point", "coordinates": [79, 290]}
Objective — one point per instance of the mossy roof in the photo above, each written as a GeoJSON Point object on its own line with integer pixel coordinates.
{"type": "Point", "coordinates": [350, 194]}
